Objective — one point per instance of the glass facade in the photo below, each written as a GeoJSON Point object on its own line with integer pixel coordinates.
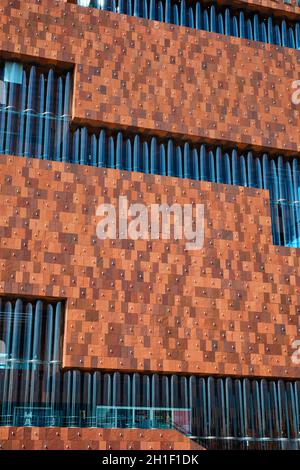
{"type": "Point", "coordinates": [218, 412]}
{"type": "Point", "coordinates": [208, 16]}
{"type": "Point", "coordinates": [30, 359]}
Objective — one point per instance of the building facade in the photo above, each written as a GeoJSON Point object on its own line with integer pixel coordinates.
{"type": "Point", "coordinates": [142, 343]}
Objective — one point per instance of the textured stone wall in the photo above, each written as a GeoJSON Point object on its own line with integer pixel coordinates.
{"type": "Point", "coordinates": [12, 438]}
{"type": "Point", "coordinates": [230, 308]}
{"type": "Point", "coordinates": [133, 73]}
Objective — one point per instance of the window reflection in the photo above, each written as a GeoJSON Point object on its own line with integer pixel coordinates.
{"type": "Point", "coordinates": [13, 72]}
{"type": "Point", "coordinates": [220, 413]}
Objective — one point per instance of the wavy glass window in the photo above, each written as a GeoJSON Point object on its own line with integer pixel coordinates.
{"type": "Point", "coordinates": [30, 360]}
{"type": "Point", "coordinates": [35, 122]}
{"type": "Point", "coordinates": [208, 16]}
{"type": "Point", "coordinates": [34, 111]}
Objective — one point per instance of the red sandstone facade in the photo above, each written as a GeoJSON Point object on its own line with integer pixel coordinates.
{"type": "Point", "coordinates": [142, 305]}
{"type": "Point", "coordinates": [151, 305]}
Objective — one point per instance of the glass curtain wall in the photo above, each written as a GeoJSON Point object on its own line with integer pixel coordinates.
{"type": "Point", "coordinates": [30, 361]}
{"type": "Point", "coordinates": [208, 16]}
